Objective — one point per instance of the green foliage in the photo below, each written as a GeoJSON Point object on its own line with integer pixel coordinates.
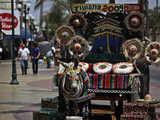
{"type": "Point", "coordinates": [58, 15]}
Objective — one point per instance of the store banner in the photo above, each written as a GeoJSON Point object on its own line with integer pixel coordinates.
{"type": "Point", "coordinates": [109, 8]}
{"type": "Point", "coordinates": [6, 21]}
{"type": "Point", "coordinates": [6, 4]}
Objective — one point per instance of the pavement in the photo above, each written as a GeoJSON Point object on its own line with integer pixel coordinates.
{"type": "Point", "coordinates": [17, 102]}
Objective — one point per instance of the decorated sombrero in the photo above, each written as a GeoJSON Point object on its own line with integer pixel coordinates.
{"type": "Point", "coordinates": [83, 65]}
{"type": "Point", "coordinates": [102, 67]}
{"type": "Point", "coordinates": [134, 21]}
{"type": "Point", "coordinates": [64, 34]}
{"type": "Point", "coordinates": [152, 52]}
{"type": "Point", "coordinates": [78, 46]}
{"type": "Point", "coordinates": [133, 48]}
{"type": "Point", "coordinates": [77, 21]}
{"type": "Point", "coordinates": [123, 68]}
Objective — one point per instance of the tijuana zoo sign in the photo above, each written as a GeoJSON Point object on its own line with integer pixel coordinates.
{"type": "Point", "coordinates": [110, 8]}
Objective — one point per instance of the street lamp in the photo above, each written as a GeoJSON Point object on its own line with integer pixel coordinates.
{"type": "Point", "coordinates": [31, 25]}
{"type": "Point", "coordinates": [24, 8]}
{"type": "Point", "coordinates": [26, 11]}
{"type": "Point", "coordinates": [14, 73]}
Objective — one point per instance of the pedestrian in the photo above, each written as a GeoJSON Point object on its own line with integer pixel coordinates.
{"type": "Point", "coordinates": [1, 50]}
{"type": "Point", "coordinates": [50, 54]}
{"type": "Point", "coordinates": [23, 56]}
{"type": "Point", "coordinates": [35, 54]}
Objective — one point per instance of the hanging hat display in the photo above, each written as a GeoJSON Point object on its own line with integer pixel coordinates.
{"type": "Point", "coordinates": [152, 52]}
{"type": "Point", "coordinates": [134, 21]}
{"type": "Point", "coordinates": [78, 45]}
{"type": "Point", "coordinates": [77, 21]}
{"type": "Point", "coordinates": [64, 34]}
{"type": "Point", "coordinates": [132, 48]}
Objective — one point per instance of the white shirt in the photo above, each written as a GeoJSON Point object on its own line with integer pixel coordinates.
{"type": "Point", "coordinates": [54, 50]}
{"type": "Point", "coordinates": [49, 54]}
{"type": "Point", "coordinates": [23, 53]}
{"type": "Point", "coordinates": [1, 50]}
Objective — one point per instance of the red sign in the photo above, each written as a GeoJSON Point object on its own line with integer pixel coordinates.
{"type": "Point", "coordinates": [6, 21]}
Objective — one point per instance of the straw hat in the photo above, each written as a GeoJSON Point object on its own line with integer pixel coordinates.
{"type": "Point", "coordinates": [147, 98]}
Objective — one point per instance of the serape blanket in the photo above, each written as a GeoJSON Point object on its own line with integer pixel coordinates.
{"type": "Point", "coordinates": [157, 116]}
{"type": "Point", "coordinates": [108, 81]}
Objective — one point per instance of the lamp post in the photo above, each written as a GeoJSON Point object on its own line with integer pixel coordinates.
{"type": "Point", "coordinates": [25, 21]}
{"type": "Point", "coordinates": [14, 73]}
{"type": "Point", "coordinates": [24, 8]}
{"type": "Point", "coordinates": [32, 26]}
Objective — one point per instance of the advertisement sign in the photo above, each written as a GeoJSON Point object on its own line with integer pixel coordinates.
{"type": "Point", "coordinates": [6, 22]}
{"type": "Point", "coordinates": [110, 8]}
{"type": "Point", "coordinates": [6, 6]}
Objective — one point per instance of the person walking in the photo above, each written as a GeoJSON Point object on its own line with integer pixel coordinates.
{"type": "Point", "coordinates": [1, 50]}
{"type": "Point", "coordinates": [50, 55]}
{"type": "Point", "coordinates": [35, 54]}
{"type": "Point", "coordinates": [23, 56]}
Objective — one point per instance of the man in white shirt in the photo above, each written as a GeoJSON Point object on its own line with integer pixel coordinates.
{"type": "Point", "coordinates": [1, 50]}
{"type": "Point", "coordinates": [23, 56]}
{"type": "Point", "coordinates": [50, 54]}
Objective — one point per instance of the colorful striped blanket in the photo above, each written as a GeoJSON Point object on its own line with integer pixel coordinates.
{"type": "Point", "coordinates": [108, 81]}
{"type": "Point", "coordinates": [157, 116]}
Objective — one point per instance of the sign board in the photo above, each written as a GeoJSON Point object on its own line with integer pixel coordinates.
{"type": "Point", "coordinates": [6, 4]}
{"type": "Point", "coordinates": [6, 21]}
{"type": "Point", "coordinates": [110, 8]}
{"type": "Point", "coordinates": [6, 1]}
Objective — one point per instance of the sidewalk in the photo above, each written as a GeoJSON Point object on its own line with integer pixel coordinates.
{"type": "Point", "coordinates": [18, 101]}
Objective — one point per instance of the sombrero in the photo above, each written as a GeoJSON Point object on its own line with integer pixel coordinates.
{"type": "Point", "coordinates": [123, 68]}
{"type": "Point", "coordinates": [64, 34]}
{"type": "Point", "coordinates": [83, 65]}
{"type": "Point", "coordinates": [133, 48]}
{"type": "Point", "coordinates": [78, 45]}
{"type": "Point", "coordinates": [134, 21]}
{"type": "Point", "coordinates": [102, 67]}
{"type": "Point", "coordinates": [77, 21]}
{"type": "Point", "coordinates": [152, 52]}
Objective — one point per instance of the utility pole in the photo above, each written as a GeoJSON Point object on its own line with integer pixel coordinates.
{"type": "Point", "coordinates": [14, 73]}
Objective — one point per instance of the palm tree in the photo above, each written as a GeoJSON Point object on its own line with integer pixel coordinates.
{"type": "Point", "coordinates": [57, 16]}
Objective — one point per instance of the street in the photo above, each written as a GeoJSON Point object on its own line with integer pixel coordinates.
{"type": "Point", "coordinates": [155, 80]}
{"type": "Point", "coordinates": [17, 102]}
